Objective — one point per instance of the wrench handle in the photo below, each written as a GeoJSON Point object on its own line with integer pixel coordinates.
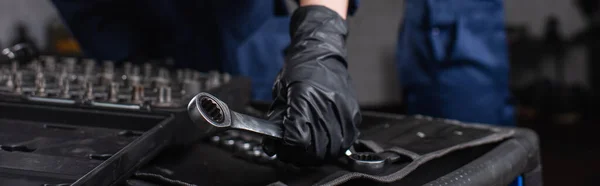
{"type": "Point", "coordinates": [256, 125]}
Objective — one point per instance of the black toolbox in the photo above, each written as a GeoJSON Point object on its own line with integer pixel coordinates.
{"type": "Point", "coordinates": [48, 145]}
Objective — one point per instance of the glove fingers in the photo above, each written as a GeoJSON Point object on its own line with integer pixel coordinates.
{"type": "Point", "coordinates": [279, 104]}
{"type": "Point", "coordinates": [276, 113]}
{"type": "Point", "coordinates": [294, 115]}
{"type": "Point", "coordinates": [297, 118]}
{"type": "Point", "coordinates": [311, 111]}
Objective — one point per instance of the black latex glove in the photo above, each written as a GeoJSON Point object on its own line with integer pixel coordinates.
{"type": "Point", "coordinates": [313, 97]}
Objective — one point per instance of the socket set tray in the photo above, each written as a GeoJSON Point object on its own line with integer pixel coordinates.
{"type": "Point", "coordinates": [74, 81]}
{"type": "Point", "coordinates": [56, 146]}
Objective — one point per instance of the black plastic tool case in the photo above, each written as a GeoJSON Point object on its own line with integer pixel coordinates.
{"type": "Point", "coordinates": [71, 144]}
{"type": "Point", "coordinates": [48, 145]}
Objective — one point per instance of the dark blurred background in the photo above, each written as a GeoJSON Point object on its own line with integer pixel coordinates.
{"type": "Point", "coordinates": [553, 47]}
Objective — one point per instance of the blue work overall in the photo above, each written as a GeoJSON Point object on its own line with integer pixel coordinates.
{"type": "Point", "coordinates": [452, 60]}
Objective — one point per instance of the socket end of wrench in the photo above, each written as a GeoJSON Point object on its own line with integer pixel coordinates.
{"type": "Point", "coordinates": [212, 115]}
{"type": "Point", "coordinates": [366, 162]}
{"type": "Point", "coordinates": [206, 108]}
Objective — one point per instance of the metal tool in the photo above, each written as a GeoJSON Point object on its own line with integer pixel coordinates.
{"type": "Point", "coordinates": [88, 67]}
{"type": "Point", "coordinates": [18, 82]}
{"type": "Point", "coordinates": [137, 94]}
{"type": "Point", "coordinates": [108, 67]}
{"type": "Point", "coordinates": [164, 73]}
{"type": "Point", "coordinates": [88, 93]}
{"type": "Point", "coordinates": [228, 143]}
{"type": "Point", "coordinates": [134, 79]}
{"type": "Point", "coordinates": [370, 162]}
{"type": "Point", "coordinates": [212, 115]}
{"type": "Point", "coordinates": [63, 72]}
{"type": "Point", "coordinates": [216, 139]}
{"type": "Point", "coordinates": [147, 71]}
{"type": "Point", "coordinates": [40, 85]}
{"type": "Point", "coordinates": [4, 73]}
{"type": "Point", "coordinates": [10, 82]}
{"type": "Point", "coordinates": [159, 82]}
{"type": "Point", "coordinates": [164, 97]}
{"type": "Point", "coordinates": [241, 145]}
{"type": "Point", "coordinates": [14, 67]}
{"type": "Point", "coordinates": [214, 80]}
{"type": "Point", "coordinates": [226, 77]}
{"type": "Point", "coordinates": [64, 88]}
{"type": "Point", "coordinates": [113, 93]}
{"type": "Point", "coordinates": [107, 73]}
{"type": "Point", "coordinates": [38, 69]}
{"type": "Point", "coordinates": [70, 64]}
{"type": "Point", "coordinates": [49, 63]}
{"type": "Point", "coordinates": [162, 79]}
{"type": "Point", "coordinates": [164, 94]}
{"type": "Point", "coordinates": [190, 87]}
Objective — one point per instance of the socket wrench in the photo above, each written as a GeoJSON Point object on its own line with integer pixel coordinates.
{"type": "Point", "coordinates": [212, 115]}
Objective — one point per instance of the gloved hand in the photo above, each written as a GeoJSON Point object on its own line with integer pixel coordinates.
{"type": "Point", "coordinates": [313, 97]}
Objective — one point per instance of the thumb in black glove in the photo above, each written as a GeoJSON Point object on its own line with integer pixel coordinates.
{"type": "Point", "coordinates": [313, 97]}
